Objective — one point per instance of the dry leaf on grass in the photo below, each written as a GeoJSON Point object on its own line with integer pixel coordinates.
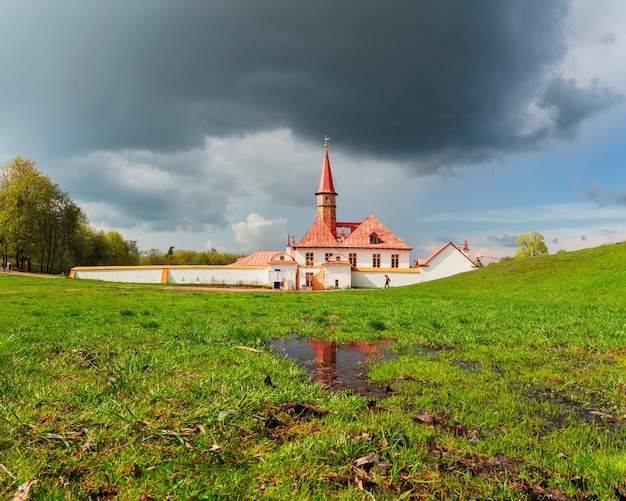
{"type": "Point", "coordinates": [87, 445]}
{"type": "Point", "coordinates": [22, 491]}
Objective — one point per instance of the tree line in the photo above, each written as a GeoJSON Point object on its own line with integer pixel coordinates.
{"type": "Point", "coordinates": [42, 229]}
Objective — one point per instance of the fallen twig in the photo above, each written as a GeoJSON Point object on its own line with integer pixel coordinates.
{"type": "Point", "coordinates": [247, 348]}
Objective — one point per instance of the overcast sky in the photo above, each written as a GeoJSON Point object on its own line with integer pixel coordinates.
{"type": "Point", "coordinates": [199, 124]}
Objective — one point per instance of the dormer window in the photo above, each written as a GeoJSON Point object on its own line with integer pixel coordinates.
{"type": "Point", "coordinates": [374, 238]}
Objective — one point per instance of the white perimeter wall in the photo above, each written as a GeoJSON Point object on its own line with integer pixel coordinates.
{"type": "Point", "coordinates": [129, 274]}
{"type": "Point", "coordinates": [248, 275]}
{"type": "Point", "coordinates": [245, 275]}
{"type": "Point", "coordinates": [369, 278]}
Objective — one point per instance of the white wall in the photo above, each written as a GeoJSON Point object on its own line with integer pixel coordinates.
{"type": "Point", "coordinates": [285, 273]}
{"type": "Point", "coordinates": [255, 275]}
{"type": "Point", "coordinates": [364, 257]}
{"type": "Point", "coordinates": [372, 278]}
{"type": "Point", "coordinates": [128, 274]}
{"type": "Point", "coordinates": [245, 275]}
{"type": "Point", "coordinates": [340, 272]}
{"type": "Point", "coordinates": [318, 255]}
{"type": "Point", "coordinates": [248, 275]}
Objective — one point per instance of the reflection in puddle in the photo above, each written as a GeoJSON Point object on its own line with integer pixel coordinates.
{"type": "Point", "coordinates": [337, 366]}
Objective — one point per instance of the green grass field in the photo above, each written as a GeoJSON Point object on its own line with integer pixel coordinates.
{"type": "Point", "coordinates": [509, 383]}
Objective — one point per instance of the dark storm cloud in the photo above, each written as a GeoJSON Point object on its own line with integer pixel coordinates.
{"type": "Point", "coordinates": [431, 83]}
{"type": "Point", "coordinates": [570, 105]}
{"type": "Point", "coordinates": [144, 190]}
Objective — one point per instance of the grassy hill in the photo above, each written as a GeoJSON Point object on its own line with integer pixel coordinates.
{"type": "Point", "coordinates": [596, 274]}
{"type": "Point", "coordinates": [505, 383]}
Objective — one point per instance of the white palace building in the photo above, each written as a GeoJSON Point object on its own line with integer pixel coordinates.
{"type": "Point", "coordinates": [331, 255]}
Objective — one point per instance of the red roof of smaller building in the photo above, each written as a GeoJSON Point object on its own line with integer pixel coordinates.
{"type": "Point", "coordinates": [257, 258]}
{"type": "Point", "coordinates": [425, 261]}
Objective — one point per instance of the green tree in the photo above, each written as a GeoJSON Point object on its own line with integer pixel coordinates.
{"type": "Point", "coordinates": [97, 253]}
{"type": "Point", "coordinates": [152, 257]}
{"type": "Point", "coordinates": [81, 247]}
{"type": "Point", "coordinates": [190, 257]}
{"type": "Point", "coordinates": [187, 257]}
{"type": "Point", "coordinates": [134, 255]}
{"type": "Point", "coordinates": [59, 225]}
{"type": "Point", "coordinates": [38, 221]}
{"type": "Point", "coordinates": [118, 250]}
{"type": "Point", "coordinates": [530, 244]}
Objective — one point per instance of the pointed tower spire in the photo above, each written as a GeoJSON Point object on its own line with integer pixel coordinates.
{"type": "Point", "coordinates": [326, 180]}
{"type": "Point", "coordinates": [326, 194]}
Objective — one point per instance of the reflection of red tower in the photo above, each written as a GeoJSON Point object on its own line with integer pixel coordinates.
{"type": "Point", "coordinates": [368, 348]}
{"type": "Point", "coordinates": [326, 355]}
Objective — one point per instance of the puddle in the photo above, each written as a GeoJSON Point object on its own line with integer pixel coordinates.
{"type": "Point", "coordinates": [427, 350]}
{"type": "Point", "coordinates": [339, 367]}
{"type": "Point", "coordinates": [566, 408]}
{"type": "Point", "coordinates": [466, 365]}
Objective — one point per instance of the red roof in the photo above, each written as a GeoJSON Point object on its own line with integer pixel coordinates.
{"type": "Point", "coordinates": [361, 237]}
{"type": "Point", "coordinates": [318, 235]}
{"type": "Point", "coordinates": [326, 181]}
{"type": "Point", "coordinates": [425, 261]}
{"type": "Point", "coordinates": [257, 258]}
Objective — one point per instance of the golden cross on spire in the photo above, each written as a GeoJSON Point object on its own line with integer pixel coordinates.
{"type": "Point", "coordinates": [326, 139]}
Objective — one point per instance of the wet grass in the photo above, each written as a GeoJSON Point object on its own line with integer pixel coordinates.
{"type": "Point", "coordinates": [509, 383]}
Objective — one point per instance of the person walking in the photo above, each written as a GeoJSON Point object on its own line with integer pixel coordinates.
{"type": "Point", "coordinates": [387, 280]}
